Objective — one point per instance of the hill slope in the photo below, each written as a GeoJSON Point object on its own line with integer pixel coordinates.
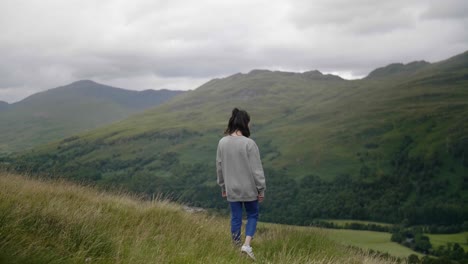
{"type": "Point", "coordinates": [392, 150]}
{"type": "Point", "coordinates": [3, 105]}
{"type": "Point", "coordinates": [58, 222]}
{"type": "Point", "coordinates": [66, 110]}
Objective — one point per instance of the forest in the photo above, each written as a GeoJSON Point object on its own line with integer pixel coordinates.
{"type": "Point", "coordinates": [411, 195]}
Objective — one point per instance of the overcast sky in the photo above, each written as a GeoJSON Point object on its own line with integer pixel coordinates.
{"type": "Point", "coordinates": [155, 44]}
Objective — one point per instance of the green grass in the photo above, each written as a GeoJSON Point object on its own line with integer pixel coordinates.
{"type": "Point", "coordinates": [59, 222]}
{"type": "Point", "coordinates": [442, 239]}
{"type": "Point", "coordinates": [379, 241]}
{"type": "Point", "coordinates": [342, 223]}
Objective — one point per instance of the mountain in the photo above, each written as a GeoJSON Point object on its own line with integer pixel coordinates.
{"type": "Point", "coordinates": [89, 90]}
{"type": "Point", "coordinates": [397, 69]}
{"type": "Point", "coordinates": [67, 110]}
{"type": "Point", "coordinates": [392, 149]}
{"type": "Point", "coordinates": [3, 105]}
{"type": "Point", "coordinates": [420, 69]}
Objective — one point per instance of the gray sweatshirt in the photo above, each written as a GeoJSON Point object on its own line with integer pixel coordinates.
{"type": "Point", "coordinates": [239, 169]}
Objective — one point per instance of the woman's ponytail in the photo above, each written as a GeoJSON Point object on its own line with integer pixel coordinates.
{"type": "Point", "coordinates": [239, 120]}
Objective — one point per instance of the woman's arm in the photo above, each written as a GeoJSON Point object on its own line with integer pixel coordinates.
{"type": "Point", "coordinates": [219, 172]}
{"type": "Point", "coordinates": [257, 169]}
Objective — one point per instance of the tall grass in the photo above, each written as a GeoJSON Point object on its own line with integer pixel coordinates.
{"type": "Point", "coordinates": [60, 222]}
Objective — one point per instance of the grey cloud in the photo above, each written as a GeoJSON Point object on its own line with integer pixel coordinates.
{"type": "Point", "coordinates": [354, 16]}
{"type": "Point", "coordinates": [145, 44]}
{"type": "Point", "coordinates": [447, 9]}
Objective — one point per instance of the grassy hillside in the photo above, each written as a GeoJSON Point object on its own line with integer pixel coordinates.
{"type": "Point", "coordinates": [391, 149]}
{"type": "Point", "coordinates": [59, 222]}
{"type": "Point", "coordinates": [67, 110]}
{"type": "Point", "coordinates": [379, 241]}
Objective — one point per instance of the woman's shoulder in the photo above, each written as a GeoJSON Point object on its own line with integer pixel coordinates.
{"type": "Point", "coordinates": [251, 143]}
{"type": "Point", "coordinates": [224, 138]}
{"type": "Point", "coordinates": [248, 141]}
{"type": "Point", "coordinates": [229, 138]}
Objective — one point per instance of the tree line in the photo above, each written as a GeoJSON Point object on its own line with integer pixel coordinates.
{"type": "Point", "coordinates": [410, 194]}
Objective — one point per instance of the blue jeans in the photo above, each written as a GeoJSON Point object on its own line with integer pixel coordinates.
{"type": "Point", "coordinates": [236, 219]}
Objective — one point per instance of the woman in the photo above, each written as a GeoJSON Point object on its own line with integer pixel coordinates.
{"type": "Point", "coordinates": [241, 177]}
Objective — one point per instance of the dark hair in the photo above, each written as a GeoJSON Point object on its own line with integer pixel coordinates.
{"type": "Point", "coordinates": [239, 121]}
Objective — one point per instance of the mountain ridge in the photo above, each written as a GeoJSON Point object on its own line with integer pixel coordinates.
{"type": "Point", "coordinates": [392, 150]}
{"type": "Point", "coordinates": [69, 109]}
{"type": "Point", "coordinates": [421, 67]}
{"type": "Point", "coordinates": [398, 69]}
{"type": "Point", "coordinates": [97, 90]}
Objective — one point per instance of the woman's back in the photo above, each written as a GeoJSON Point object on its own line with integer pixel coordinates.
{"type": "Point", "coordinates": [239, 160]}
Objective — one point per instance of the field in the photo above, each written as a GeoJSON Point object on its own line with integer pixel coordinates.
{"type": "Point", "coordinates": [342, 223]}
{"type": "Point", "coordinates": [60, 222]}
{"type": "Point", "coordinates": [381, 240]}
{"type": "Point", "coordinates": [443, 239]}
{"type": "Point", "coordinates": [370, 240]}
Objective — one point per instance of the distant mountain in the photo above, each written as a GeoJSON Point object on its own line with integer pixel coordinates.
{"type": "Point", "coordinates": [424, 70]}
{"type": "Point", "coordinates": [396, 69]}
{"type": "Point", "coordinates": [456, 62]}
{"type": "Point", "coordinates": [392, 148]}
{"type": "Point", "coordinates": [312, 75]}
{"type": "Point", "coordinates": [66, 110]}
{"type": "Point", "coordinates": [3, 105]}
{"type": "Point", "coordinates": [86, 89]}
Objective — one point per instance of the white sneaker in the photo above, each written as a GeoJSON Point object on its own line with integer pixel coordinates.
{"type": "Point", "coordinates": [248, 250]}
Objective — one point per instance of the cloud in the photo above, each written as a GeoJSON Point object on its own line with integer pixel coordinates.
{"type": "Point", "coordinates": [447, 9]}
{"type": "Point", "coordinates": [179, 44]}
{"type": "Point", "coordinates": [355, 17]}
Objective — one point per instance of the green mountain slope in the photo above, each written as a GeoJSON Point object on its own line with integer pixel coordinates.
{"type": "Point", "coordinates": [392, 149]}
{"type": "Point", "coordinates": [59, 222]}
{"type": "Point", "coordinates": [67, 110]}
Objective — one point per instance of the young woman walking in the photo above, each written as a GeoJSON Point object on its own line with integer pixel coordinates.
{"type": "Point", "coordinates": [241, 177]}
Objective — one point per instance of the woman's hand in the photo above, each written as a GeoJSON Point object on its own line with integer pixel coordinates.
{"type": "Point", "coordinates": [223, 194]}
{"type": "Point", "coordinates": [260, 198]}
